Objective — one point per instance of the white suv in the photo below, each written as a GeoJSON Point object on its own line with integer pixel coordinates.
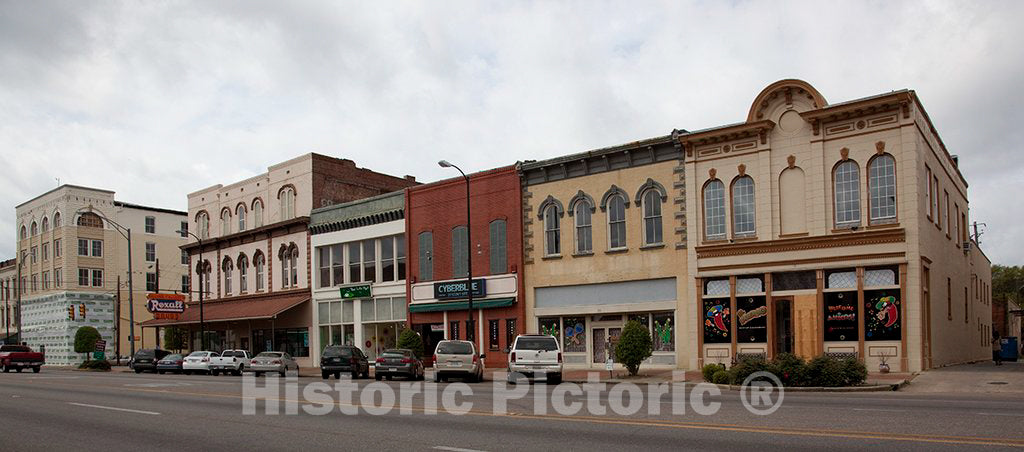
{"type": "Point", "coordinates": [533, 355]}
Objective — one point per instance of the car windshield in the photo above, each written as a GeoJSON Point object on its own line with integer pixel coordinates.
{"type": "Point", "coordinates": [172, 357]}
{"type": "Point", "coordinates": [454, 348]}
{"type": "Point", "coordinates": [332, 352]}
{"type": "Point", "coordinates": [144, 354]}
{"type": "Point", "coordinates": [199, 354]}
{"type": "Point", "coordinates": [233, 354]}
{"type": "Point", "coordinates": [546, 344]}
{"type": "Point", "coordinates": [14, 348]}
{"type": "Point", "coordinates": [394, 354]}
{"type": "Point", "coordinates": [269, 355]}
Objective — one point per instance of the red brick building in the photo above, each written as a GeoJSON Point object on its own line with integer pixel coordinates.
{"type": "Point", "coordinates": [436, 231]}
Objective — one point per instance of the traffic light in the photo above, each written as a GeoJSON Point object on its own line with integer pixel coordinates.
{"type": "Point", "coordinates": [71, 312]}
{"type": "Point", "coordinates": [81, 311]}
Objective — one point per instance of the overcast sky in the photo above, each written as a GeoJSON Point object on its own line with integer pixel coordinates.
{"type": "Point", "coordinates": [155, 100]}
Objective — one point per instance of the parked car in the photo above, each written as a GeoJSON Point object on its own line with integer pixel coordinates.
{"type": "Point", "coordinates": [198, 362]}
{"type": "Point", "coordinates": [344, 358]}
{"type": "Point", "coordinates": [18, 357]}
{"type": "Point", "coordinates": [145, 360]}
{"type": "Point", "coordinates": [459, 359]}
{"type": "Point", "coordinates": [171, 363]}
{"type": "Point", "coordinates": [398, 362]}
{"type": "Point", "coordinates": [278, 362]}
{"type": "Point", "coordinates": [535, 354]}
{"type": "Point", "coordinates": [233, 361]}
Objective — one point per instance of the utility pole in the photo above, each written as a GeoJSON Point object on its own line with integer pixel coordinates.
{"type": "Point", "coordinates": [20, 288]}
{"type": "Point", "coordinates": [157, 287]}
{"type": "Point", "coordinates": [131, 295]}
{"type": "Point", "coordinates": [117, 322]}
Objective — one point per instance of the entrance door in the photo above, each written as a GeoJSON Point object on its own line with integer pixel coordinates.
{"type": "Point", "coordinates": [783, 326]}
{"type": "Point", "coordinates": [604, 338]}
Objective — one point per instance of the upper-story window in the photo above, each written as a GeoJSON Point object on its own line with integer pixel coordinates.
{"type": "Point", "coordinates": [287, 196]}
{"type": "Point", "coordinates": [289, 257]}
{"type": "Point", "coordinates": [369, 260]}
{"type": "Point", "coordinates": [499, 247]}
{"type": "Point", "coordinates": [46, 225]}
{"type": "Point", "coordinates": [743, 207]}
{"type": "Point", "coordinates": [714, 210]}
{"type": "Point", "coordinates": [847, 193]}
{"type": "Point", "coordinates": [56, 220]}
{"type": "Point", "coordinates": [203, 269]}
{"type": "Point", "coordinates": [225, 222]}
{"type": "Point", "coordinates": [929, 210]}
{"type": "Point", "coordinates": [460, 252]}
{"type": "Point", "coordinates": [584, 227]}
{"type": "Point", "coordinates": [426, 256]}
{"type": "Point", "coordinates": [259, 262]}
{"type": "Point", "coordinates": [616, 222]}
{"type": "Point", "coordinates": [150, 225]}
{"type": "Point", "coordinates": [203, 224]}
{"type": "Point", "coordinates": [552, 231]}
{"type": "Point", "coordinates": [652, 217]}
{"type": "Point", "coordinates": [882, 187]}
{"type": "Point", "coordinates": [227, 268]}
{"type": "Point", "coordinates": [90, 220]}
{"type": "Point", "coordinates": [24, 232]}
{"type": "Point", "coordinates": [243, 274]}
{"type": "Point", "coordinates": [183, 231]}
{"type": "Point", "coordinates": [35, 229]}
{"type": "Point", "coordinates": [150, 252]}
{"type": "Point", "coordinates": [240, 213]}
{"type": "Point", "coordinates": [257, 213]}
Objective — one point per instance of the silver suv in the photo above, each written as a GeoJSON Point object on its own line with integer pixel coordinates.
{"type": "Point", "coordinates": [458, 359]}
{"type": "Point", "coordinates": [533, 355]}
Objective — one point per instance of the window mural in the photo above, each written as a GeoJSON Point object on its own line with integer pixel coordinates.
{"type": "Point", "coordinates": [575, 335]}
{"type": "Point", "coordinates": [716, 321]}
{"type": "Point", "coordinates": [664, 333]}
{"type": "Point", "coordinates": [840, 316]}
{"type": "Point", "coordinates": [549, 326]}
{"type": "Point", "coordinates": [751, 319]}
{"type": "Point", "coordinates": [882, 315]}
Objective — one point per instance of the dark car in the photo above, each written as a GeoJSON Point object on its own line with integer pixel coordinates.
{"type": "Point", "coordinates": [170, 363]}
{"type": "Point", "coordinates": [146, 359]}
{"type": "Point", "coordinates": [344, 358]}
{"type": "Point", "coordinates": [398, 362]}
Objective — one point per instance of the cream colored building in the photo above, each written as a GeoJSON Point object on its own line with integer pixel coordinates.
{"type": "Point", "coordinates": [832, 228]}
{"type": "Point", "coordinates": [604, 243]}
{"type": "Point", "coordinates": [73, 257]}
{"type": "Point", "coordinates": [8, 301]}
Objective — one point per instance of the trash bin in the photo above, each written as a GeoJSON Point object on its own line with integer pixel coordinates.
{"type": "Point", "coordinates": [1009, 352]}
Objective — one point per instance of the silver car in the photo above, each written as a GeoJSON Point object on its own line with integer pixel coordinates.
{"type": "Point", "coordinates": [277, 362]}
{"type": "Point", "coordinates": [458, 359]}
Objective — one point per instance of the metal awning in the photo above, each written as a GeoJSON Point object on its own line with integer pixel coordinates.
{"type": "Point", "coordinates": [461, 305]}
{"type": "Point", "coordinates": [223, 311]}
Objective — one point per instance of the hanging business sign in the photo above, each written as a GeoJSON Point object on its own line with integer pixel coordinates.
{"type": "Point", "coordinates": [360, 291]}
{"type": "Point", "coordinates": [165, 305]}
{"type": "Point", "coordinates": [457, 289]}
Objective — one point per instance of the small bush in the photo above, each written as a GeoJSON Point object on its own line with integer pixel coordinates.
{"type": "Point", "coordinates": [412, 341]}
{"type": "Point", "coordinates": [99, 365]}
{"type": "Point", "coordinates": [634, 346]}
{"type": "Point", "coordinates": [708, 371]}
{"type": "Point", "coordinates": [85, 340]}
{"type": "Point", "coordinates": [721, 377]}
{"type": "Point", "coordinates": [854, 371]}
{"type": "Point", "coordinates": [791, 369]}
{"type": "Point", "coordinates": [825, 371]}
{"type": "Point", "coordinates": [747, 366]}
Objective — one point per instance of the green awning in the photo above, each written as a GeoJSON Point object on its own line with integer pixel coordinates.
{"type": "Point", "coordinates": [460, 305]}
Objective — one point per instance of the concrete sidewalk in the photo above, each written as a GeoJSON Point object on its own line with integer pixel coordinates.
{"type": "Point", "coordinates": [983, 377]}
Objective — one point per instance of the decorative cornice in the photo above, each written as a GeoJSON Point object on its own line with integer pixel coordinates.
{"type": "Point", "coordinates": [803, 243]}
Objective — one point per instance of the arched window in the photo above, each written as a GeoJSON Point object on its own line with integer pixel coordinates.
{"type": "Point", "coordinates": [882, 187]}
{"type": "Point", "coordinates": [35, 229]}
{"type": "Point", "coordinates": [240, 213]}
{"type": "Point", "coordinates": [259, 262]}
{"type": "Point", "coordinates": [652, 217]}
{"type": "Point", "coordinates": [227, 267]}
{"type": "Point", "coordinates": [203, 224]}
{"type": "Point", "coordinates": [243, 274]}
{"type": "Point", "coordinates": [743, 207]}
{"type": "Point", "coordinates": [225, 222]}
{"type": "Point", "coordinates": [90, 220]}
{"type": "Point", "coordinates": [287, 197]}
{"type": "Point", "coordinates": [56, 220]}
{"type": "Point", "coordinates": [584, 228]}
{"type": "Point", "coordinates": [552, 232]}
{"type": "Point", "coordinates": [714, 210]}
{"type": "Point", "coordinates": [294, 253]}
{"type": "Point", "coordinates": [24, 232]}
{"type": "Point", "coordinates": [257, 213]}
{"type": "Point", "coordinates": [203, 269]}
{"type": "Point", "coordinates": [616, 222]}
{"type": "Point", "coordinates": [46, 225]}
{"type": "Point", "coordinates": [847, 193]}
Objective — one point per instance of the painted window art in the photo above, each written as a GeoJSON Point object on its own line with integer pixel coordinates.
{"type": "Point", "coordinates": [664, 332]}
{"type": "Point", "coordinates": [840, 316]}
{"type": "Point", "coordinates": [716, 321]}
{"type": "Point", "coordinates": [751, 319]}
{"type": "Point", "coordinates": [549, 326]}
{"type": "Point", "coordinates": [575, 335]}
{"type": "Point", "coordinates": [882, 315]}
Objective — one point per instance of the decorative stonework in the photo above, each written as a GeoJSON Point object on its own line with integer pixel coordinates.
{"type": "Point", "coordinates": [845, 153]}
{"type": "Point", "coordinates": [791, 161]}
{"type": "Point", "coordinates": [712, 172]}
{"type": "Point", "coordinates": [803, 243]}
{"type": "Point", "coordinates": [880, 147]}
{"type": "Point", "coordinates": [742, 169]}
{"type": "Point", "coordinates": [861, 124]}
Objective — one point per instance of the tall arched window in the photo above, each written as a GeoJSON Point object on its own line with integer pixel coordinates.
{"type": "Point", "coordinates": [714, 210]}
{"type": "Point", "coordinates": [56, 220]}
{"type": "Point", "coordinates": [90, 220]}
{"type": "Point", "coordinates": [283, 256]}
{"type": "Point", "coordinates": [46, 225]}
{"type": "Point", "coordinates": [257, 213]}
{"type": "Point", "coordinates": [616, 222]}
{"type": "Point", "coordinates": [203, 224]}
{"type": "Point", "coordinates": [35, 229]}
{"type": "Point", "coordinates": [552, 232]}
{"type": "Point", "coordinates": [882, 187]}
{"type": "Point", "coordinates": [584, 228]}
{"type": "Point", "coordinates": [259, 262]}
{"type": "Point", "coordinates": [203, 269]}
{"type": "Point", "coordinates": [652, 217]}
{"type": "Point", "coordinates": [287, 196]}
{"type": "Point", "coordinates": [240, 213]}
{"type": "Point", "coordinates": [243, 274]}
{"type": "Point", "coordinates": [227, 267]}
{"type": "Point", "coordinates": [743, 207]}
{"type": "Point", "coordinates": [847, 194]}
{"type": "Point", "coordinates": [225, 222]}
{"type": "Point", "coordinates": [24, 232]}
{"type": "Point", "coordinates": [294, 254]}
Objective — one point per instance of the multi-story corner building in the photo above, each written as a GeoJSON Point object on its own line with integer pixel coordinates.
{"type": "Point", "coordinates": [439, 261]}
{"type": "Point", "coordinates": [72, 257]}
{"type": "Point", "coordinates": [250, 253]}
{"type": "Point", "coordinates": [832, 228]}
{"type": "Point", "coordinates": [359, 273]}
{"type": "Point", "coordinates": [604, 244]}
{"type": "Point", "coordinates": [9, 301]}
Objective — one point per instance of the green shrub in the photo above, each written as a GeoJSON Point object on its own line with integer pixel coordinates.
{"type": "Point", "coordinates": [826, 372]}
{"type": "Point", "coordinates": [791, 369]}
{"type": "Point", "coordinates": [174, 338]}
{"type": "Point", "coordinates": [634, 346]}
{"type": "Point", "coordinates": [708, 371]}
{"type": "Point", "coordinates": [412, 341]}
{"type": "Point", "coordinates": [100, 365]}
{"type": "Point", "coordinates": [747, 366]}
{"type": "Point", "coordinates": [85, 340]}
{"type": "Point", "coordinates": [854, 371]}
{"type": "Point", "coordinates": [721, 377]}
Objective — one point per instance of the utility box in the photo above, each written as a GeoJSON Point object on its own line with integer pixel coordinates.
{"type": "Point", "coordinates": [1009, 352]}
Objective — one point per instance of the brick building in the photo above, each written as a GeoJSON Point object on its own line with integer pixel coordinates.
{"type": "Point", "coordinates": [436, 228]}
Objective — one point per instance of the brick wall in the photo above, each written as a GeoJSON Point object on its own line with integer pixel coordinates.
{"type": "Point", "coordinates": [339, 180]}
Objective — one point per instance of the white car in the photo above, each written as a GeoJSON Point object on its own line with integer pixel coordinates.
{"type": "Point", "coordinates": [198, 362]}
{"type": "Point", "coordinates": [535, 355]}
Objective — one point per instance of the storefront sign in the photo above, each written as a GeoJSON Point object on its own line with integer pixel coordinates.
{"type": "Point", "coordinates": [457, 289]}
{"type": "Point", "coordinates": [101, 345]}
{"type": "Point", "coordinates": [165, 305]}
{"type": "Point", "coordinates": [882, 315]}
{"type": "Point", "coordinates": [361, 291]}
{"type": "Point", "coordinates": [841, 316]}
{"type": "Point", "coordinates": [751, 319]}
{"type": "Point", "coordinates": [717, 321]}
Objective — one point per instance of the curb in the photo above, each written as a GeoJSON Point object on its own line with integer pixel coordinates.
{"type": "Point", "coordinates": [868, 388]}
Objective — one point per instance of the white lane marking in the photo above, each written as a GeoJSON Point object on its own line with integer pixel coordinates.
{"type": "Point", "coordinates": [879, 409]}
{"type": "Point", "coordinates": [159, 385]}
{"type": "Point", "coordinates": [113, 408]}
{"type": "Point", "coordinates": [456, 449]}
{"type": "Point", "coordinates": [1001, 414]}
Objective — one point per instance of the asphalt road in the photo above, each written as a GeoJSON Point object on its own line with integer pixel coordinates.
{"type": "Point", "coordinates": [60, 409]}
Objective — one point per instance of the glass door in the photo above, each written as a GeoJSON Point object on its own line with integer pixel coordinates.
{"type": "Point", "coordinates": [597, 335]}
{"type": "Point", "coordinates": [783, 326]}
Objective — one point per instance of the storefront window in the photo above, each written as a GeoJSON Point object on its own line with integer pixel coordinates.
{"type": "Point", "coordinates": [323, 312]}
{"type": "Point", "coordinates": [368, 311]}
{"type": "Point", "coordinates": [493, 336]}
{"type": "Point", "coordinates": [794, 281]}
{"type": "Point", "coordinates": [398, 308]}
{"type": "Point", "coordinates": [383, 308]}
{"type": "Point", "coordinates": [717, 322]}
{"type": "Point", "coordinates": [841, 279]}
{"type": "Point", "coordinates": [348, 311]}
{"type": "Point", "coordinates": [882, 315]}
{"type": "Point", "coordinates": [716, 287]}
{"type": "Point", "coordinates": [335, 312]}
{"type": "Point", "coordinates": [749, 285]}
{"type": "Point", "coordinates": [644, 319]}
{"type": "Point", "coordinates": [751, 319]}
{"type": "Point", "coordinates": [840, 316]}
{"type": "Point", "coordinates": [664, 332]}
{"type": "Point", "coordinates": [549, 326]}
{"type": "Point", "coordinates": [293, 341]}
{"type": "Point", "coordinates": [575, 335]}
{"type": "Point", "coordinates": [453, 331]}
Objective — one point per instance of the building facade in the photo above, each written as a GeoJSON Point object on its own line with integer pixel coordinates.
{"type": "Point", "coordinates": [9, 302]}
{"type": "Point", "coordinates": [604, 244]}
{"type": "Point", "coordinates": [438, 236]}
{"type": "Point", "coordinates": [359, 276]}
{"type": "Point", "coordinates": [73, 256]}
{"type": "Point", "coordinates": [250, 252]}
{"type": "Point", "coordinates": [832, 228]}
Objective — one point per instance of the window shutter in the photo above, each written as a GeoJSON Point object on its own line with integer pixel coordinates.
{"type": "Point", "coordinates": [499, 248]}
{"type": "Point", "coordinates": [426, 252]}
{"type": "Point", "coordinates": [459, 252]}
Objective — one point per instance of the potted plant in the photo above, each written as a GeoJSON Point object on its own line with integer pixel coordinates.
{"type": "Point", "coordinates": [883, 367]}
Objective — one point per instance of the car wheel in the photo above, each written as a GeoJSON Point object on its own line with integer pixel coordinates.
{"type": "Point", "coordinates": [258, 374]}
{"type": "Point", "coordinates": [355, 374]}
{"type": "Point", "coordinates": [138, 371]}
{"type": "Point", "coordinates": [237, 372]}
{"type": "Point", "coordinates": [283, 373]}
{"type": "Point", "coordinates": [378, 377]}
{"type": "Point", "coordinates": [325, 375]}
{"type": "Point", "coordinates": [17, 369]}
{"type": "Point", "coordinates": [437, 377]}
{"type": "Point", "coordinates": [35, 370]}
{"type": "Point", "coordinates": [160, 372]}
{"type": "Point", "coordinates": [7, 369]}
{"type": "Point", "coordinates": [215, 372]}
{"type": "Point", "coordinates": [187, 372]}
{"type": "Point", "coordinates": [337, 375]}
{"type": "Point", "coordinates": [388, 377]}
{"type": "Point", "coordinates": [555, 380]}
{"type": "Point", "coordinates": [510, 378]}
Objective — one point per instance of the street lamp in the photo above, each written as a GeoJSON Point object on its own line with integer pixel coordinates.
{"type": "Point", "coordinates": [202, 324]}
{"type": "Point", "coordinates": [127, 234]}
{"type": "Point", "coordinates": [469, 248]}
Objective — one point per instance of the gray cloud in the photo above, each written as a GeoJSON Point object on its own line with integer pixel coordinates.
{"type": "Point", "coordinates": [154, 100]}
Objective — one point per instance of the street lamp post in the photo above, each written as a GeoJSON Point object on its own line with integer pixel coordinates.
{"type": "Point", "coordinates": [202, 324]}
{"type": "Point", "coordinates": [127, 234]}
{"type": "Point", "coordinates": [19, 289]}
{"type": "Point", "coordinates": [469, 249]}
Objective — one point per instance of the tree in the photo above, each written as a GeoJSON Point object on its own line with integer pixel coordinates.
{"type": "Point", "coordinates": [634, 346]}
{"type": "Point", "coordinates": [1007, 282]}
{"type": "Point", "coordinates": [412, 341]}
{"type": "Point", "coordinates": [174, 338]}
{"type": "Point", "coordinates": [85, 340]}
